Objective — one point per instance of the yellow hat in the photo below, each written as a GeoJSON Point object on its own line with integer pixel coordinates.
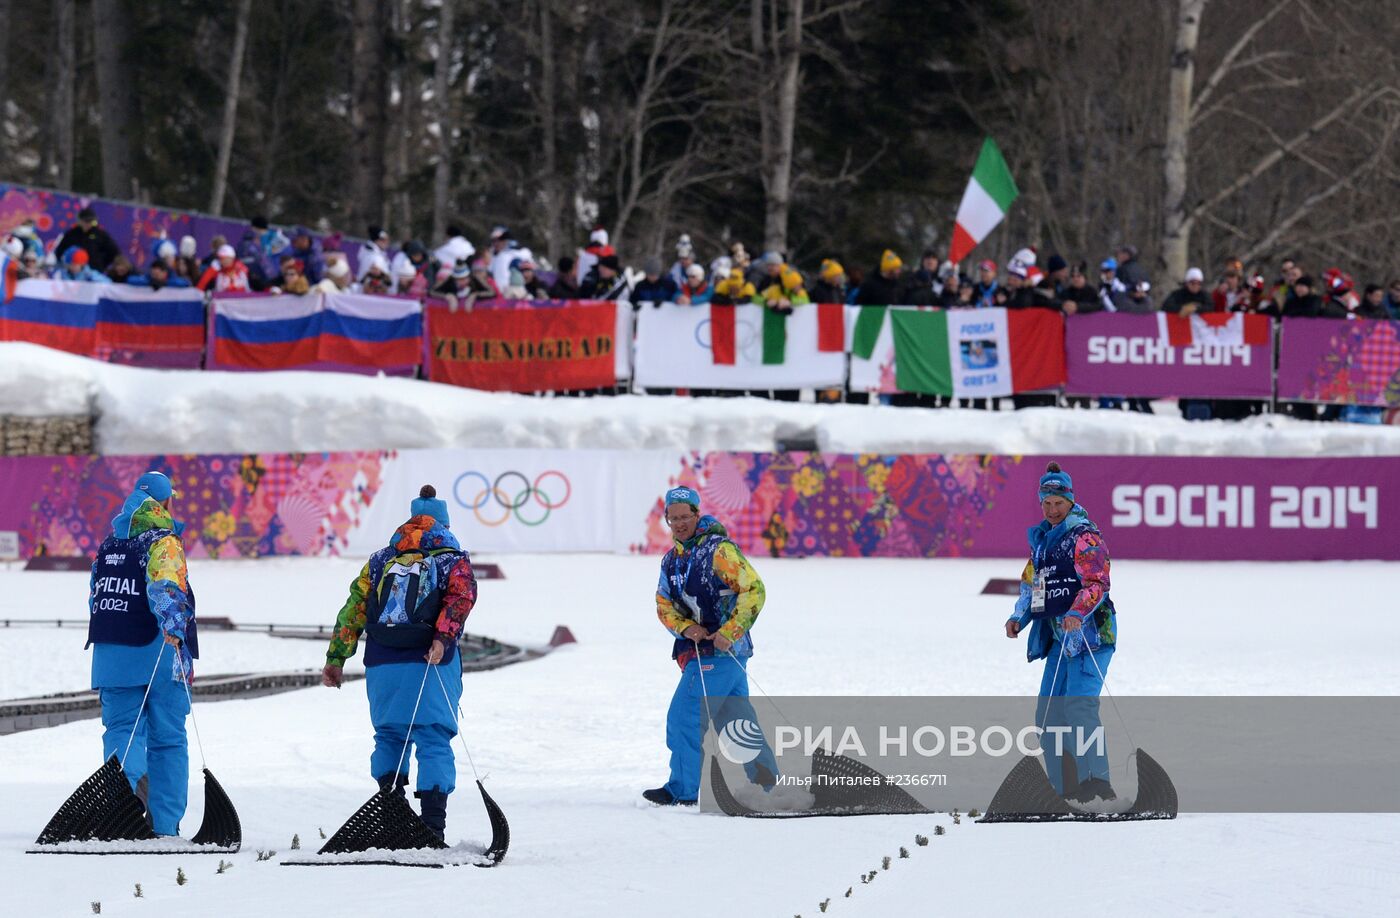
{"type": "Point", "coordinates": [791, 280]}
{"type": "Point", "coordinates": [831, 270]}
{"type": "Point", "coordinates": [890, 261]}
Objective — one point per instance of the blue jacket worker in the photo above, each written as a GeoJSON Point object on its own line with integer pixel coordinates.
{"type": "Point", "coordinates": [708, 597]}
{"type": "Point", "coordinates": [410, 602]}
{"type": "Point", "coordinates": [141, 628]}
{"type": "Point", "coordinates": [1074, 629]}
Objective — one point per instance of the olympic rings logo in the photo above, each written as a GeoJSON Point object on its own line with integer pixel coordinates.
{"type": "Point", "coordinates": [514, 499]}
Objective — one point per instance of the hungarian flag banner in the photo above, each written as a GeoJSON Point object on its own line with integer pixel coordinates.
{"type": "Point", "coordinates": [985, 202]}
{"type": "Point", "coordinates": [831, 332]}
{"type": "Point", "coordinates": [740, 347]}
{"type": "Point", "coordinates": [524, 349]}
{"type": "Point", "coordinates": [1221, 329]}
{"type": "Point", "coordinates": [978, 353]}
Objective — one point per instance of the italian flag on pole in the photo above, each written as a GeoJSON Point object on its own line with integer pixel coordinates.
{"type": "Point", "coordinates": [978, 353]}
{"type": "Point", "coordinates": [988, 197]}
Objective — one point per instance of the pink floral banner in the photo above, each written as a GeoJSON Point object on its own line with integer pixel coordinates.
{"type": "Point", "coordinates": [1346, 361]}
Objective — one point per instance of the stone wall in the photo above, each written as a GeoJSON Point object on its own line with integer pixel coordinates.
{"type": "Point", "coordinates": [51, 436]}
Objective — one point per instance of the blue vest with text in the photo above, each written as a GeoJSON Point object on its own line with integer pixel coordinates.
{"type": "Point", "coordinates": [1062, 583]}
{"type": "Point", "coordinates": [120, 612]}
{"type": "Point", "coordinates": [698, 591]}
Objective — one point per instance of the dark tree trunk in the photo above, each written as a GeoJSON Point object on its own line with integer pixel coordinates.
{"type": "Point", "coordinates": [369, 101]}
{"type": "Point", "coordinates": [56, 161]}
{"type": "Point", "coordinates": [116, 96]}
{"type": "Point", "coordinates": [230, 121]}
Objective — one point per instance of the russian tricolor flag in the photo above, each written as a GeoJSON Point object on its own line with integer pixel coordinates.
{"type": "Point", "coordinates": [316, 330]}
{"type": "Point", "coordinates": [57, 314]}
{"type": "Point", "coordinates": [102, 320]}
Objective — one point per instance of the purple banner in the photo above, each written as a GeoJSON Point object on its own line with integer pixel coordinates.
{"type": "Point", "coordinates": [1343, 361]}
{"type": "Point", "coordinates": [1117, 354]}
{"type": "Point", "coordinates": [937, 506]}
{"type": "Point", "coordinates": [134, 227]}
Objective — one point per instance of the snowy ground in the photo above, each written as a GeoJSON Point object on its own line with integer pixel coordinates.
{"type": "Point", "coordinates": [570, 740]}
{"type": "Point", "coordinates": [304, 412]}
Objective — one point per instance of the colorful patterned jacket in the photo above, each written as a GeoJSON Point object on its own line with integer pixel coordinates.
{"type": "Point", "coordinates": [167, 577]}
{"type": "Point", "coordinates": [419, 533]}
{"type": "Point", "coordinates": [707, 581]}
{"type": "Point", "coordinates": [1078, 535]}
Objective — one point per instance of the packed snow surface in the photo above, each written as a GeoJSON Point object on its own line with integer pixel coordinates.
{"type": "Point", "coordinates": [182, 411]}
{"type": "Point", "coordinates": [566, 744]}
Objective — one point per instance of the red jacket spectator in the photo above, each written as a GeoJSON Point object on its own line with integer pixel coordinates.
{"type": "Point", "coordinates": [226, 273]}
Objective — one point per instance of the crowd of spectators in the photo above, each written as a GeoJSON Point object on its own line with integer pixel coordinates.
{"type": "Point", "coordinates": [269, 259]}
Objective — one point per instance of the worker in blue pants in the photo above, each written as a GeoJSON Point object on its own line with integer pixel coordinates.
{"type": "Point", "coordinates": [141, 627]}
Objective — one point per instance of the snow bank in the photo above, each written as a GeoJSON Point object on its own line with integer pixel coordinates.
{"type": "Point", "coordinates": [158, 411]}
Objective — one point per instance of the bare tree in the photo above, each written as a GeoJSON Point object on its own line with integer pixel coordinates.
{"type": "Point", "coordinates": [442, 117]}
{"type": "Point", "coordinates": [781, 49]}
{"type": "Point", "coordinates": [1176, 230]}
{"type": "Point", "coordinates": [369, 101]}
{"type": "Point", "coordinates": [230, 120]}
{"type": "Point", "coordinates": [117, 97]}
{"type": "Point", "coordinates": [56, 160]}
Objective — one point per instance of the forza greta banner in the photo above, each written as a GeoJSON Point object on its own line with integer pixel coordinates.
{"type": "Point", "coordinates": [1113, 354]}
{"type": "Point", "coordinates": [513, 346]}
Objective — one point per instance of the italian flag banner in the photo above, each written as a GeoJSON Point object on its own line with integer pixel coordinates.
{"type": "Point", "coordinates": [977, 353]}
{"type": "Point", "coordinates": [985, 202]}
{"type": "Point", "coordinates": [1221, 329]}
{"type": "Point", "coordinates": [740, 347]}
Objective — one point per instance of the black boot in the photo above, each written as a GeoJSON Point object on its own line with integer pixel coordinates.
{"type": "Point", "coordinates": [389, 785]}
{"type": "Point", "coordinates": [662, 797]}
{"type": "Point", "coordinates": [433, 803]}
{"type": "Point", "coordinates": [143, 790]}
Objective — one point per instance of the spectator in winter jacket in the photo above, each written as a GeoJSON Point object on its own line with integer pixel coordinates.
{"type": "Point", "coordinates": [588, 255]}
{"type": "Point", "coordinates": [226, 274]}
{"type": "Point", "coordinates": [144, 640]}
{"type": "Point", "coordinates": [1065, 599]}
{"type": "Point", "coordinates": [157, 277]}
{"type": "Point", "coordinates": [505, 253]}
{"type": "Point", "coordinates": [1057, 275]}
{"type": "Point", "coordinates": [685, 257]}
{"type": "Point", "coordinates": [1190, 297]}
{"type": "Point", "coordinates": [376, 243]}
{"type": "Point", "coordinates": [1078, 297]}
{"type": "Point", "coordinates": [831, 283]}
{"type": "Point", "coordinates": [696, 290]}
{"type": "Point", "coordinates": [565, 286]}
{"type": "Point", "coordinates": [307, 250]}
{"type": "Point", "coordinates": [986, 282]}
{"type": "Point", "coordinates": [733, 290]}
{"type": "Point", "coordinates": [121, 270]}
{"type": "Point", "coordinates": [884, 287]}
{"type": "Point", "coordinates": [654, 287]}
{"type": "Point", "coordinates": [925, 286]}
{"type": "Point", "coordinates": [708, 598]}
{"type": "Point", "coordinates": [785, 293]}
{"type": "Point", "coordinates": [376, 279]}
{"type": "Point", "coordinates": [455, 249]}
{"type": "Point", "coordinates": [1033, 292]}
{"type": "Point", "coordinates": [1302, 302]}
{"type": "Point", "coordinates": [1230, 295]}
{"type": "Point", "coordinates": [1113, 293]}
{"type": "Point", "coordinates": [530, 285]}
{"type": "Point", "coordinates": [293, 281]}
{"type": "Point", "coordinates": [1139, 300]}
{"type": "Point", "coordinates": [1289, 272]}
{"type": "Point", "coordinates": [249, 252]}
{"type": "Point", "coordinates": [75, 266]}
{"type": "Point", "coordinates": [1392, 299]}
{"type": "Point", "coordinates": [425, 566]}
{"type": "Point", "coordinates": [1373, 303]}
{"type": "Point", "coordinates": [607, 282]}
{"type": "Point", "coordinates": [87, 235]}
{"type": "Point", "coordinates": [1130, 271]}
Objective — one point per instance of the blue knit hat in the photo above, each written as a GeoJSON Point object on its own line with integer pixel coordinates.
{"type": "Point", "coordinates": [427, 504]}
{"type": "Point", "coordinates": [1056, 483]}
{"type": "Point", "coordinates": [156, 485]}
{"type": "Point", "coordinates": [683, 495]}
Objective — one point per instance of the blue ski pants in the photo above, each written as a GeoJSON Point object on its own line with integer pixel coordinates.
{"type": "Point", "coordinates": [159, 749]}
{"type": "Point", "coordinates": [1070, 698]}
{"type": "Point", "coordinates": [726, 682]}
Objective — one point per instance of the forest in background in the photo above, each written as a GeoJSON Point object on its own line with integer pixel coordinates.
{"type": "Point", "coordinates": [1196, 130]}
